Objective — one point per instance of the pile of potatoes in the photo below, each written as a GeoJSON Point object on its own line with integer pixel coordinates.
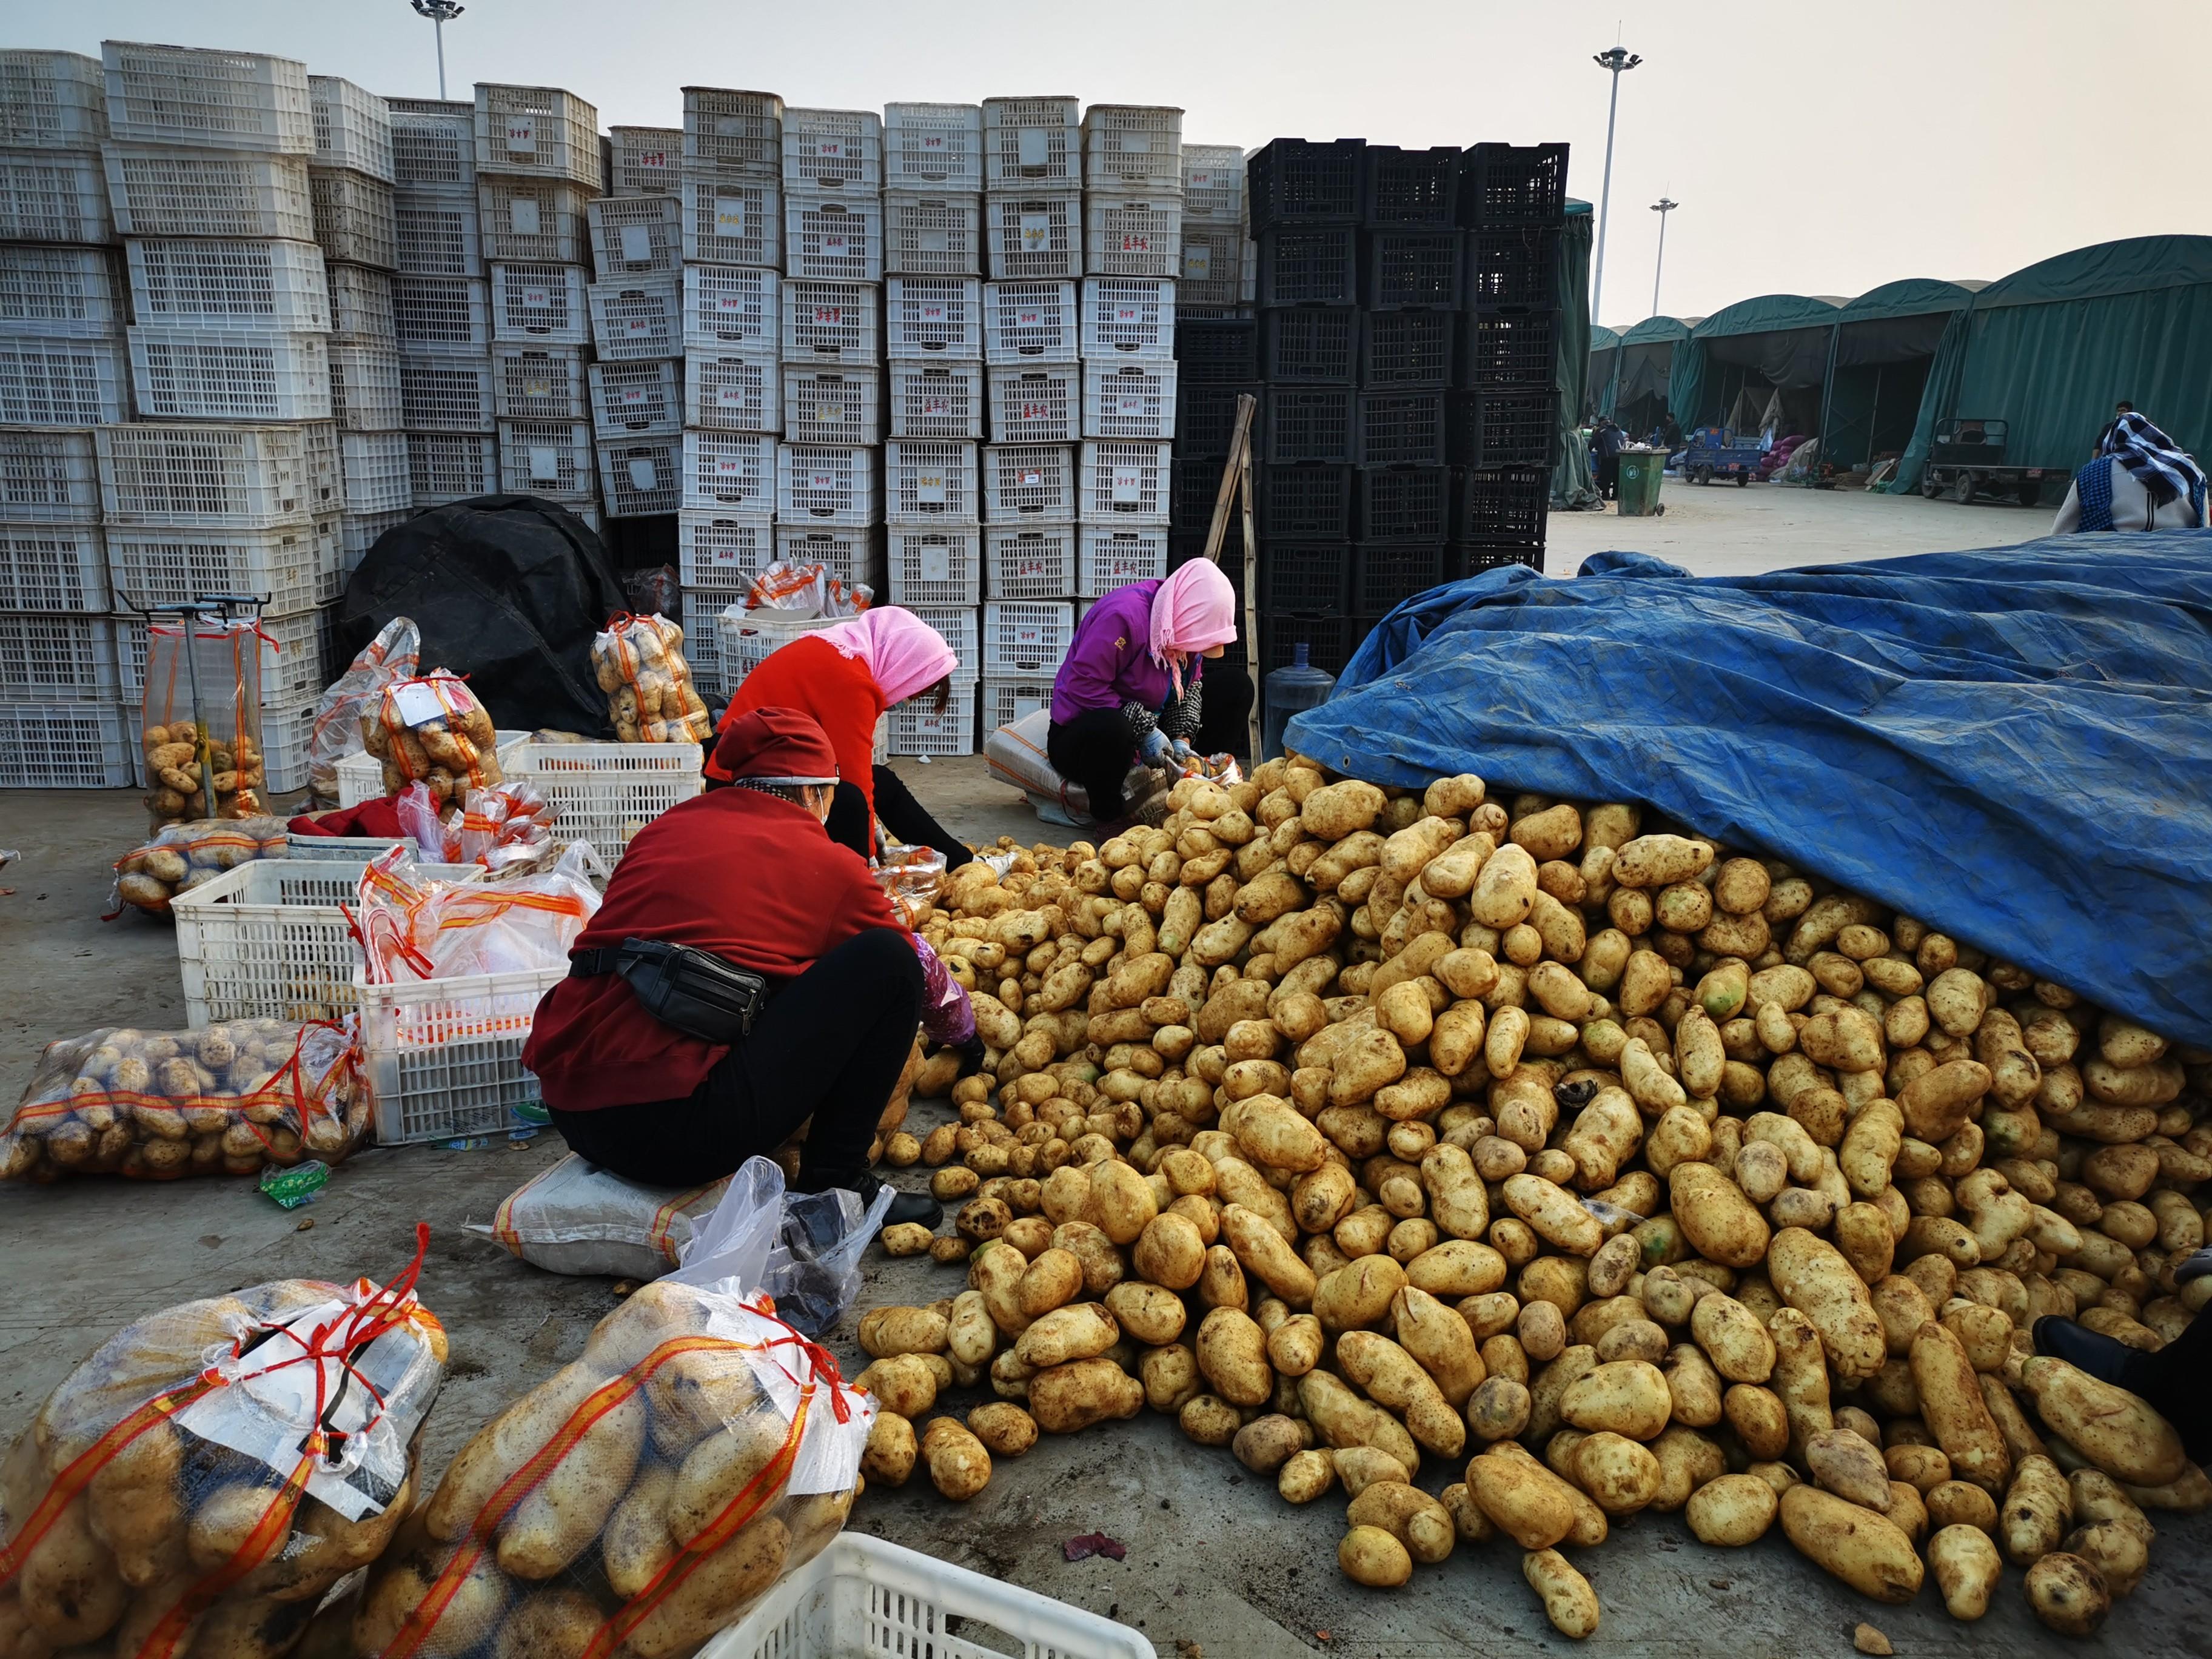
{"type": "Point", "coordinates": [226, 786]}
{"type": "Point", "coordinates": [1354, 1127]}
{"type": "Point", "coordinates": [183, 856]}
{"type": "Point", "coordinates": [432, 730]}
{"type": "Point", "coordinates": [640, 663]}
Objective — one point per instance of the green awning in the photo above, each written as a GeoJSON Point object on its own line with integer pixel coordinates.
{"type": "Point", "coordinates": [1769, 313]}
{"type": "Point", "coordinates": [1654, 329]}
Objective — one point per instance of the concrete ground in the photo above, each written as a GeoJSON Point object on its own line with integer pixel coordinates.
{"type": "Point", "coordinates": [1217, 1563]}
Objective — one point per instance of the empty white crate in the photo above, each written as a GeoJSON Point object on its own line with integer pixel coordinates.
{"type": "Point", "coordinates": [1039, 403]}
{"type": "Point", "coordinates": [438, 235]}
{"type": "Point", "coordinates": [446, 311]}
{"type": "Point", "coordinates": [647, 160]}
{"type": "Point", "coordinates": [175, 192]}
{"type": "Point", "coordinates": [446, 391]}
{"type": "Point", "coordinates": [732, 222]}
{"type": "Point", "coordinates": [732, 308]}
{"type": "Point", "coordinates": [605, 793]}
{"type": "Point", "coordinates": [958, 623]}
{"type": "Point", "coordinates": [353, 126]}
{"type": "Point", "coordinates": [539, 220]}
{"type": "Point", "coordinates": [56, 382]}
{"type": "Point", "coordinates": [546, 457]}
{"type": "Point", "coordinates": [54, 196]}
{"type": "Point", "coordinates": [192, 374]}
{"type": "Point", "coordinates": [832, 404]}
{"type": "Point", "coordinates": [1026, 637]}
{"type": "Point", "coordinates": [228, 282]}
{"type": "Point", "coordinates": [1129, 317]}
{"type": "Point", "coordinates": [637, 235]}
{"type": "Point", "coordinates": [449, 467]}
{"type": "Point", "coordinates": [163, 566]}
{"type": "Point", "coordinates": [723, 550]}
{"type": "Point", "coordinates": [930, 481]}
{"type": "Point", "coordinates": [365, 387]}
{"type": "Point", "coordinates": [1031, 322]}
{"type": "Point", "coordinates": [56, 99]}
{"type": "Point", "coordinates": [48, 745]}
{"type": "Point", "coordinates": [826, 484]}
{"type": "Point", "coordinates": [1034, 238]}
{"type": "Point", "coordinates": [833, 150]}
{"type": "Point", "coordinates": [242, 478]}
{"type": "Point", "coordinates": [1131, 399]}
{"type": "Point", "coordinates": [641, 476]}
{"type": "Point", "coordinates": [443, 1057]}
{"type": "Point", "coordinates": [355, 217]}
{"type": "Point", "coordinates": [918, 727]}
{"type": "Point", "coordinates": [935, 567]}
{"type": "Point", "coordinates": [1029, 481]}
{"type": "Point", "coordinates": [834, 239]}
{"type": "Point", "coordinates": [732, 134]}
{"type": "Point", "coordinates": [1216, 269]}
{"type": "Point", "coordinates": [540, 132]}
{"type": "Point", "coordinates": [1213, 184]}
{"type": "Point", "coordinates": [1132, 235]}
{"type": "Point", "coordinates": [1006, 702]}
{"type": "Point", "coordinates": [702, 641]}
{"type": "Point", "coordinates": [1032, 143]}
{"type": "Point", "coordinates": [60, 290]}
{"type": "Point", "coordinates": [52, 567]}
{"type": "Point", "coordinates": [830, 321]}
{"type": "Point", "coordinates": [1029, 560]}
{"type": "Point", "coordinates": [325, 486]}
{"type": "Point", "coordinates": [48, 478]}
{"type": "Point", "coordinates": [54, 658]}
{"type": "Point", "coordinates": [1136, 147]}
{"type": "Point", "coordinates": [933, 316]}
{"type": "Point", "coordinates": [730, 471]}
{"type": "Point", "coordinates": [634, 318]}
{"type": "Point", "coordinates": [637, 399]}
{"type": "Point", "coordinates": [1108, 557]}
{"type": "Point", "coordinates": [933, 235]}
{"type": "Point", "coordinates": [544, 304]}
{"type": "Point", "coordinates": [933, 147]}
{"type": "Point", "coordinates": [1124, 481]}
{"type": "Point", "coordinates": [434, 145]}
{"type": "Point", "coordinates": [359, 305]}
{"type": "Point", "coordinates": [731, 391]}
{"type": "Point", "coordinates": [375, 466]}
{"type": "Point", "coordinates": [239, 101]}
{"type": "Point", "coordinates": [538, 383]}
{"type": "Point", "coordinates": [936, 400]}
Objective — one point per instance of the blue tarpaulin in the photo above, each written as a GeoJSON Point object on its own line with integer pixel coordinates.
{"type": "Point", "coordinates": [2013, 745]}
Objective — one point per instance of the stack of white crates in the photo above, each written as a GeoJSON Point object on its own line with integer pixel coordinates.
{"type": "Point", "coordinates": [636, 314]}
{"type": "Point", "coordinates": [1220, 269]}
{"type": "Point", "coordinates": [730, 303]}
{"type": "Point", "coordinates": [537, 166]}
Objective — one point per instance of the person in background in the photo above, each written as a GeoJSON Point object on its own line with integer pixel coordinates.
{"type": "Point", "coordinates": [748, 874]}
{"type": "Point", "coordinates": [1131, 687]}
{"type": "Point", "coordinates": [1670, 434]}
{"type": "Point", "coordinates": [2121, 410]}
{"type": "Point", "coordinates": [845, 676]}
{"type": "Point", "coordinates": [1605, 444]}
{"type": "Point", "coordinates": [2141, 479]}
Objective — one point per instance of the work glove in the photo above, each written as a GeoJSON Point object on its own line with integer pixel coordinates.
{"type": "Point", "coordinates": [1155, 748]}
{"type": "Point", "coordinates": [971, 1056]}
{"type": "Point", "coordinates": [1183, 753]}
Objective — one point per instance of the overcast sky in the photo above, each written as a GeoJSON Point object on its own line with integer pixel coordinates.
{"type": "Point", "coordinates": [1814, 149]}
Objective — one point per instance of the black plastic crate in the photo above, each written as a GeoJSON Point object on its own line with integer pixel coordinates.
{"type": "Point", "coordinates": [1305, 576]}
{"type": "Point", "coordinates": [1412, 269]}
{"type": "Point", "coordinates": [1305, 503]}
{"type": "Point", "coordinates": [1216, 351]}
{"type": "Point", "coordinates": [1384, 573]}
{"type": "Point", "coordinates": [1502, 506]}
{"type": "Point", "coordinates": [1503, 428]}
{"type": "Point", "coordinates": [1411, 187]}
{"type": "Point", "coordinates": [1309, 265]}
{"type": "Point", "coordinates": [1309, 423]}
{"type": "Point", "coordinates": [1513, 184]}
{"type": "Point", "coordinates": [1193, 484]}
{"type": "Point", "coordinates": [1404, 503]}
{"type": "Point", "coordinates": [1511, 265]}
{"type": "Point", "coordinates": [1297, 180]}
{"type": "Point", "coordinates": [1472, 559]}
{"type": "Point", "coordinates": [1206, 417]}
{"type": "Point", "coordinates": [1401, 428]}
{"type": "Point", "coordinates": [1500, 348]}
{"type": "Point", "coordinates": [1326, 639]}
{"type": "Point", "coordinates": [1314, 346]}
{"type": "Point", "coordinates": [1410, 349]}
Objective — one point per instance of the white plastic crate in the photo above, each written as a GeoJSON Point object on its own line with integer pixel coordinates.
{"type": "Point", "coordinates": [1006, 701]}
{"type": "Point", "coordinates": [539, 132]}
{"type": "Point", "coordinates": [636, 400]}
{"type": "Point", "coordinates": [52, 100]}
{"type": "Point", "coordinates": [1031, 322]}
{"type": "Point", "coordinates": [228, 282]}
{"type": "Point", "coordinates": [541, 304]}
{"type": "Point", "coordinates": [703, 640]}
{"type": "Point", "coordinates": [729, 471]}
{"type": "Point", "coordinates": [854, 555]}
{"type": "Point", "coordinates": [235, 477]}
{"type": "Point", "coordinates": [442, 1057]}
{"type": "Point", "coordinates": [444, 313]}
{"type": "Point", "coordinates": [927, 317]}
{"type": "Point", "coordinates": [833, 150]}
{"type": "Point", "coordinates": [1132, 235]}
{"type": "Point", "coordinates": [732, 222]}
{"type": "Point", "coordinates": [935, 567]}
{"type": "Point", "coordinates": [356, 218]}
{"type": "Point", "coordinates": [933, 147]}
{"type": "Point", "coordinates": [1024, 638]}
{"type": "Point", "coordinates": [1029, 562]}
{"type": "Point", "coordinates": [1133, 146]}
{"type": "Point", "coordinates": [1124, 481]}
{"type": "Point", "coordinates": [641, 476]}
{"type": "Point", "coordinates": [450, 466]}
{"type": "Point", "coordinates": [917, 728]}
{"type": "Point", "coordinates": [291, 659]}
{"type": "Point", "coordinates": [365, 388]}
{"type": "Point", "coordinates": [375, 466]}
{"type": "Point", "coordinates": [1129, 317]}
{"type": "Point", "coordinates": [1036, 404]}
{"type": "Point", "coordinates": [930, 481]}
{"type": "Point", "coordinates": [745, 639]}
{"type": "Point", "coordinates": [833, 240]}
{"type": "Point", "coordinates": [52, 567]}
{"type": "Point", "coordinates": [325, 479]}
{"type": "Point", "coordinates": [647, 160]}
{"type": "Point", "coordinates": [1131, 399]}
{"type": "Point", "coordinates": [150, 567]}
{"type": "Point", "coordinates": [1034, 238]}
{"type": "Point", "coordinates": [933, 235]}
{"type": "Point", "coordinates": [1029, 481]}
{"type": "Point", "coordinates": [723, 550]}
{"type": "Point", "coordinates": [48, 478]}
{"type": "Point", "coordinates": [539, 220]}
{"type": "Point", "coordinates": [192, 374]}
{"type": "Point", "coordinates": [937, 400]}
{"type": "Point", "coordinates": [49, 745]}
{"type": "Point", "coordinates": [635, 318]}
{"type": "Point", "coordinates": [1032, 143]}
{"type": "Point", "coordinates": [587, 513]}
{"type": "Point", "coordinates": [49, 382]}
{"type": "Point", "coordinates": [1108, 557]}
{"type": "Point", "coordinates": [353, 126]}
{"type": "Point", "coordinates": [60, 290]}
{"type": "Point", "coordinates": [732, 134]}
{"type": "Point", "coordinates": [1213, 184]}
{"type": "Point", "coordinates": [330, 556]}
{"type": "Point", "coordinates": [826, 484]}
{"type": "Point", "coordinates": [546, 457]}
{"type": "Point", "coordinates": [731, 391]}
{"type": "Point", "coordinates": [830, 322]}
{"type": "Point", "coordinates": [1218, 267]}
{"type": "Point", "coordinates": [177, 193]}
{"type": "Point", "coordinates": [53, 196]}
{"type": "Point", "coordinates": [438, 235]}
{"type": "Point", "coordinates": [360, 302]}
{"type": "Point", "coordinates": [605, 793]}
{"type": "Point", "coordinates": [446, 391]}
{"type": "Point", "coordinates": [434, 145]}
{"type": "Point", "coordinates": [45, 657]}
{"type": "Point", "coordinates": [732, 308]}
{"type": "Point", "coordinates": [832, 404]}
{"type": "Point", "coordinates": [957, 625]}
{"type": "Point", "coordinates": [359, 531]}
{"type": "Point", "coordinates": [637, 235]}
{"type": "Point", "coordinates": [238, 100]}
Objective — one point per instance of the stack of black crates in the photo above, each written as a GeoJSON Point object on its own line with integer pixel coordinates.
{"type": "Point", "coordinates": [1402, 353]}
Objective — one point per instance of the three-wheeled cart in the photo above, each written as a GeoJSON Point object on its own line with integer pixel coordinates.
{"type": "Point", "coordinates": [1715, 453]}
{"type": "Point", "coordinates": [1966, 460]}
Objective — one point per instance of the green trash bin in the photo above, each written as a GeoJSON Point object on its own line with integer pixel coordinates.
{"type": "Point", "coordinates": [1638, 491]}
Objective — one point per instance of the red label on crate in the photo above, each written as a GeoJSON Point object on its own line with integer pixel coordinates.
{"type": "Point", "coordinates": [830, 316]}
{"type": "Point", "coordinates": [934, 405]}
{"type": "Point", "coordinates": [1136, 242]}
{"type": "Point", "coordinates": [932, 314]}
{"type": "Point", "coordinates": [538, 299]}
{"type": "Point", "coordinates": [1032, 476]}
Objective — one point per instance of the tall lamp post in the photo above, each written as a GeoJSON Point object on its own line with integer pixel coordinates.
{"type": "Point", "coordinates": [1618, 61]}
{"type": "Point", "coordinates": [441, 12]}
{"type": "Point", "coordinates": [1662, 206]}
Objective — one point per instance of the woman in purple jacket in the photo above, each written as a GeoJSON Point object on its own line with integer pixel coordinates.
{"type": "Point", "coordinates": [1130, 688]}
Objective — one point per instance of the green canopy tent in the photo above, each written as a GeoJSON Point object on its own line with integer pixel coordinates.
{"type": "Point", "coordinates": [1773, 346]}
{"type": "Point", "coordinates": [2051, 349]}
{"type": "Point", "coordinates": [1572, 483]}
{"type": "Point", "coordinates": [1647, 357]}
{"type": "Point", "coordinates": [1882, 345]}
{"type": "Point", "coordinates": [1604, 364]}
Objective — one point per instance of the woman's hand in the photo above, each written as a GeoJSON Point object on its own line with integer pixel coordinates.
{"type": "Point", "coordinates": [1155, 748]}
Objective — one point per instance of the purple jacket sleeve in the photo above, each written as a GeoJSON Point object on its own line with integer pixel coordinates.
{"type": "Point", "coordinates": [947, 1016]}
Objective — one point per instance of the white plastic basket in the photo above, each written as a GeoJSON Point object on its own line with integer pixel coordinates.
{"type": "Point", "coordinates": [729, 471]}
{"type": "Point", "coordinates": [937, 400]}
{"type": "Point", "coordinates": [731, 391]}
{"type": "Point", "coordinates": [434, 145]}
{"type": "Point", "coordinates": [649, 161]}
{"type": "Point", "coordinates": [450, 466]}
{"type": "Point", "coordinates": [1132, 235]}
{"type": "Point", "coordinates": [360, 305]}
{"type": "Point", "coordinates": [1031, 322]}
{"type": "Point", "coordinates": [826, 484]}
{"type": "Point", "coordinates": [325, 477]}
{"type": "Point", "coordinates": [442, 1057]}
{"type": "Point", "coordinates": [931, 317]}
{"type": "Point", "coordinates": [932, 234]}
{"type": "Point", "coordinates": [538, 220]}
{"type": "Point", "coordinates": [930, 481]}
{"type": "Point", "coordinates": [353, 126]}
{"type": "Point", "coordinates": [1108, 557]}
{"type": "Point", "coordinates": [539, 132]}
{"type": "Point", "coordinates": [1129, 317]}
{"type": "Point", "coordinates": [832, 404]}
{"type": "Point", "coordinates": [1006, 702]}
{"type": "Point", "coordinates": [703, 640]}
{"type": "Point", "coordinates": [637, 235]}
{"type": "Point", "coordinates": [283, 565]}
{"type": "Point", "coordinates": [833, 240]}
{"type": "Point", "coordinates": [177, 193]}
{"type": "Point", "coordinates": [853, 554]}
{"type": "Point", "coordinates": [833, 151]}
{"type": "Point", "coordinates": [53, 196]}
{"type": "Point", "coordinates": [1213, 184]}
{"type": "Point", "coordinates": [732, 134]}
{"type": "Point", "coordinates": [359, 531]}
{"type": "Point", "coordinates": [641, 476]}
{"type": "Point", "coordinates": [1032, 143]}
{"type": "Point", "coordinates": [1034, 238]}
{"type": "Point", "coordinates": [190, 375]}
{"type": "Point", "coordinates": [1125, 481]}
{"type": "Point", "coordinates": [1134, 146]}
{"type": "Point", "coordinates": [935, 567]}
{"type": "Point", "coordinates": [446, 391]}
{"type": "Point", "coordinates": [918, 728]}
{"type": "Point", "coordinates": [236, 477]}
{"type": "Point", "coordinates": [60, 290]}
{"type": "Point", "coordinates": [361, 777]}
{"type": "Point", "coordinates": [1029, 481]}
{"type": "Point", "coordinates": [637, 400]}
{"type": "Point", "coordinates": [542, 304]}
{"type": "Point", "coordinates": [356, 218]}
{"type": "Point", "coordinates": [49, 745]}
{"type": "Point", "coordinates": [52, 567]}
{"type": "Point", "coordinates": [1029, 562]}
{"type": "Point", "coordinates": [546, 457]}
{"type": "Point", "coordinates": [365, 388]}
{"type": "Point", "coordinates": [53, 100]}
{"type": "Point", "coordinates": [237, 101]}
{"type": "Point", "coordinates": [958, 624]}
{"type": "Point", "coordinates": [375, 472]}
{"type": "Point", "coordinates": [228, 282]}
{"type": "Point", "coordinates": [46, 657]}
{"type": "Point", "coordinates": [48, 478]}
{"type": "Point", "coordinates": [732, 308]}
{"type": "Point", "coordinates": [587, 513]}
{"type": "Point", "coordinates": [451, 313]}
{"type": "Point", "coordinates": [605, 793]}
{"type": "Point", "coordinates": [1036, 404]}
{"type": "Point", "coordinates": [635, 319]}
{"type": "Point", "coordinates": [1026, 638]}
{"type": "Point", "coordinates": [830, 322]}
{"type": "Point", "coordinates": [732, 222]}
{"type": "Point", "coordinates": [933, 147]}
{"type": "Point", "coordinates": [1217, 266]}
{"type": "Point", "coordinates": [50, 382]}
{"type": "Point", "coordinates": [745, 639]}
{"type": "Point", "coordinates": [330, 584]}
{"type": "Point", "coordinates": [438, 235]}
{"type": "Point", "coordinates": [1129, 399]}
{"type": "Point", "coordinates": [722, 550]}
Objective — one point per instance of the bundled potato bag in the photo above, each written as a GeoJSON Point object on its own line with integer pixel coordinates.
{"type": "Point", "coordinates": [433, 729]}
{"type": "Point", "coordinates": [183, 856]}
{"type": "Point", "coordinates": [199, 1484]}
{"type": "Point", "coordinates": [229, 1098]}
{"type": "Point", "coordinates": [393, 655]}
{"type": "Point", "coordinates": [650, 697]}
{"type": "Point", "coordinates": [576, 1217]}
{"type": "Point", "coordinates": [203, 761]}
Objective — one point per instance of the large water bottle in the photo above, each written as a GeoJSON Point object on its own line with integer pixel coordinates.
{"type": "Point", "coordinates": [1290, 691]}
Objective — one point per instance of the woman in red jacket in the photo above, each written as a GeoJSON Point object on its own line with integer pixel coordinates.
{"type": "Point", "coordinates": [747, 875]}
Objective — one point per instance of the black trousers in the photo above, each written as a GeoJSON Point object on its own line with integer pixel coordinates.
{"type": "Point", "coordinates": [902, 814]}
{"type": "Point", "coordinates": [1225, 725]}
{"type": "Point", "coordinates": [830, 1045]}
{"type": "Point", "coordinates": [1608, 474]}
{"type": "Point", "coordinates": [1095, 751]}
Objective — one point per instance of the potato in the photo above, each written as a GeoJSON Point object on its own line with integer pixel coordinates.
{"type": "Point", "coordinates": [1305, 1476]}
{"type": "Point", "coordinates": [1622, 1475]}
{"type": "Point", "coordinates": [2037, 1510]}
{"type": "Point", "coordinates": [1005, 1429]}
{"type": "Point", "coordinates": [705, 1601]}
{"type": "Point", "coordinates": [2068, 1593]}
{"type": "Point", "coordinates": [905, 1238]}
{"type": "Point", "coordinates": [1371, 1556]}
{"type": "Point", "coordinates": [1718, 1220]}
{"type": "Point", "coordinates": [1392, 1377]}
{"type": "Point", "coordinates": [1956, 1503]}
{"type": "Point", "coordinates": [888, 1461]}
{"type": "Point", "coordinates": [1733, 1510]}
{"type": "Point", "coordinates": [959, 1464]}
{"type": "Point", "coordinates": [1263, 1252]}
{"type": "Point", "coordinates": [1568, 1601]}
{"type": "Point", "coordinates": [1266, 1444]}
{"type": "Point", "coordinates": [1523, 1498]}
{"type": "Point", "coordinates": [1438, 1338]}
{"type": "Point", "coordinates": [1952, 1404]}
{"type": "Point", "coordinates": [2115, 1431]}
{"type": "Point", "coordinates": [1814, 1278]}
{"type": "Point", "coordinates": [2119, 1554]}
{"type": "Point", "coordinates": [1966, 1570]}
{"type": "Point", "coordinates": [1066, 1398]}
{"type": "Point", "coordinates": [1498, 1408]}
{"type": "Point", "coordinates": [887, 1331]}
{"type": "Point", "coordinates": [1732, 1338]}
{"type": "Point", "coordinates": [1416, 1520]}
{"type": "Point", "coordinates": [1845, 1464]}
{"type": "Point", "coordinates": [1856, 1545]}
{"type": "Point", "coordinates": [1628, 1397]}
{"type": "Point", "coordinates": [904, 1383]}
{"type": "Point", "coordinates": [1358, 1294]}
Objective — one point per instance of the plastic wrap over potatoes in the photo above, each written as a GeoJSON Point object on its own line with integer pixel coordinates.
{"type": "Point", "coordinates": [641, 666]}
{"type": "Point", "coordinates": [183, 856]}
{"type": "Point", "coordinates": [431, 730]}
{"type": "Point", "coordinates": [393, 655]}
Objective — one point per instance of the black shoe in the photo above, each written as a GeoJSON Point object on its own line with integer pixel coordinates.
{"type": "Point", "coordinates": [905, 1207]}
{"type": "Point", "coordinates": [2091, 1352]}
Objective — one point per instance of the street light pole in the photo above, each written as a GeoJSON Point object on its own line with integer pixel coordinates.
{"type": "Point", "coordinates": [440, 12]}
{"type": "Point", "coordinates": [1662, 206]}
{"type": "Point", "coordinates": [1618, 60]}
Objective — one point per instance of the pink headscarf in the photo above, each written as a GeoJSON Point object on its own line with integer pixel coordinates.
{"type": "Point", "coordinates": [1195, 610]}
{"type": "Point", "coordinates": [902, 654]}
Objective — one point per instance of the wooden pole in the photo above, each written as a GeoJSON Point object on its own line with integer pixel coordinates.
{"type": "Point", "coordinates": [1236, 484]}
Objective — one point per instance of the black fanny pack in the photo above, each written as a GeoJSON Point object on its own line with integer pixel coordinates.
{"type": "Point", "coordinates": [693, 991]}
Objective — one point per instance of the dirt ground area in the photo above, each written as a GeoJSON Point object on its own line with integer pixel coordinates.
{"type": "Point", "coordinates": [1215, 1558]}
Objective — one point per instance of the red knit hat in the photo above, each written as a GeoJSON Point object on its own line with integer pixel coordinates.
{"type": "Point", "coordinates": [776, 746]}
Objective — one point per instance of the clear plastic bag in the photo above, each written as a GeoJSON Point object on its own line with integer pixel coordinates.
{"type": "Point", "coordinates": [911, 877]}
{"type": "Point", "coordinates": [202, 721]}
{"type": "Point", "coordinates": [433, 730]}
{"type": "Point", "coordinates": [800, 590]}
{"type": "Point", "coordinates": [576, 1218]}
{"type": "Point", "coordinates": [803, 1249]}
{"type": "Point", "coordinates": [183, 856]}
{"type": "Point", "coordinates": [393, 655]}
{"type": "Point", "coordinates": [507, 823]}
{"type": "Point", "coordinates": [412, 928]}
{"type": "Point", "coordinates": [641, 666]}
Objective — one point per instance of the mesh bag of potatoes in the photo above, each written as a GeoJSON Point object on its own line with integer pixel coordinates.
{"type": "Point", "coordinates": [641, 666]}
{"type": "Point", "coordinates": [182, 856]}
{"type": "Point", "coordinates": [432, 730]}
{"type": "Point", "coordinates": [183, 756]}
{"type": "Point", "coordinates": [1369, 1131]}
{"type": "Point", "coordinates": [230, 1099]}
{"type": "Point", "coordinates": [201, 1482]}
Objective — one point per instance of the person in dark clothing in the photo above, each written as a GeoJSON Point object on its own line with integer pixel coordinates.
{"type": "Point", "coordinates": [2171, 1381]}
{"type": "Point", "coordinates": [1670, 436]}
{"type": "Point", "coordinates": [1605, 444]}
{"type": "Point", "coordinates": [1226, 726]}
